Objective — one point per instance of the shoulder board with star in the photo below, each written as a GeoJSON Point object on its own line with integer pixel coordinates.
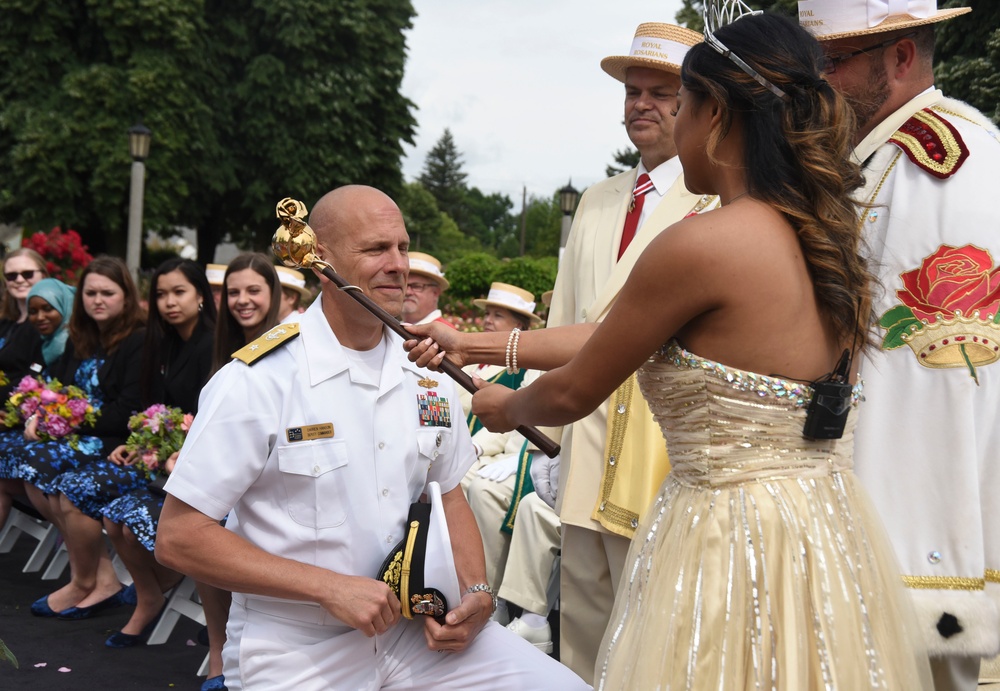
{"type": "Point", "coordinates": [932, 143]}
{"type": "Point", "coordinates": [262, 345]}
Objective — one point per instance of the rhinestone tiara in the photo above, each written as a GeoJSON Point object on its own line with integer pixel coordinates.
{"type": "Point", "coordinates": [717, 14]}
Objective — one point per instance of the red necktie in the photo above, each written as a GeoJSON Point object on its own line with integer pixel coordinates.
{"type": "Point", "coordinates": [642, 185]}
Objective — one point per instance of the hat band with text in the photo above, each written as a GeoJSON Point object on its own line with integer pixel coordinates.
{"type": "Point", "coordinates": [823, 17]}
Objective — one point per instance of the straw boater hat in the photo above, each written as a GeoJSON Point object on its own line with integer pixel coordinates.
{"type": "Point", "coordinates": [659, 46]}
{"type": "Point", "coordinates": [290, 278]}
{"type": "Point", "coordinates": [828, 20]}
{"type": "Point", "coordinates": [426, 265]}
{"type": "Point", "coordinates": [216, 274]}
{"type": "Point", "coordinates": [517, 300]}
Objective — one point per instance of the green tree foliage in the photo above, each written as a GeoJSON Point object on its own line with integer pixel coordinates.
{"type": "Point", "coordinates": [624, 159]}
{"type": "Point", "coordinates": [489, 217]}
{"type": "Point", "coordinates": [248, 100]}
{"type": "Point", "coordinates": [432, 230]}
{"type": "Point", "coordinates": [444, 178]}
{"type": "Point", "coordinates": [967, 59]}
{"type": "Point", "coordinates": [534, 274]}
{"type": "Point", "coordinates": [470, 276]}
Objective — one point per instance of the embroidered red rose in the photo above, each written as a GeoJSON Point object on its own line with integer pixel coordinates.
{"type": "Point", "coordinates": [953, 279]}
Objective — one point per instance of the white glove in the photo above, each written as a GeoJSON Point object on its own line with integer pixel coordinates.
{"type": "Point", "coordinates": [500, 469]}
{"type": "Point", "coordinates": [545, 475]}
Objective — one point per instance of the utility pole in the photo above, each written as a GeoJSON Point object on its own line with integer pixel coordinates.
{"type": "Point", "coordinates": [524, 216]}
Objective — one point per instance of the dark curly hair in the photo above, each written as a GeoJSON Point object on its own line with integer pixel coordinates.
{"type": "Point", "coordinates": [797, 154]}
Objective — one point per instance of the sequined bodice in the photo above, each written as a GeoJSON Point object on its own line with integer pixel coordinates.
{"type": "Point", "coordinates": [725, 426]}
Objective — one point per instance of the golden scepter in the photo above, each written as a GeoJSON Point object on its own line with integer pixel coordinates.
{"type": "Point", "coordinates": [294, 243]}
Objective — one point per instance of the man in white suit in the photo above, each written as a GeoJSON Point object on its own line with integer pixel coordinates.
{"type": "Point", "coordinates": [613, 467]}
{"type": "Point", "coordinates": [927, 437]}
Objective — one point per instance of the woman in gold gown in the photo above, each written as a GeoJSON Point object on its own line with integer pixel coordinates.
{"type": "Point", "coordinates": [760, 565]}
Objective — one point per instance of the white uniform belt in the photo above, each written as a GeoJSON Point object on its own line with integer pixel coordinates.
{"type": "Point", "coordinates": [304, 612]}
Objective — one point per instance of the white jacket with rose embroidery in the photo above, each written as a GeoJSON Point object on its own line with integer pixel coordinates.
{"type": "Point", "coordinates": [928, 438]}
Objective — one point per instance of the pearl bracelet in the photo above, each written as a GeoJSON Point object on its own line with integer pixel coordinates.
{"type": "Point", "coordinates": [510, 354]}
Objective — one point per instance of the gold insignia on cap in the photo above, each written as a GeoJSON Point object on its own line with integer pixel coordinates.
{"type": "Point", "coordinates": [427, 383]}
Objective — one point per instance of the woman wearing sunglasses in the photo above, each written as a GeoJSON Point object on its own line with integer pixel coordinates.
{"type": "Point", "coordinates": [20, 343]}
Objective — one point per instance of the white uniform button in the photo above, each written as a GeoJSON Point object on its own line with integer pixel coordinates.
{"type": "Point", "coordinates": [385, 493]}
{"type": "Point", "coordinates": [934, 557]}
{"type": "Point", "coordinates": [381, 445]}
{"type": "Point", "coordinates": [316, 469]}
{"type": "Point", "coordinates": [388, 539]}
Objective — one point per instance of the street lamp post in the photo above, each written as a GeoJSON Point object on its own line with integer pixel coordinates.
{"type": "Point", "coordinates": [568, 197]}
{"type": "Point", "coordinates": [138, 148]}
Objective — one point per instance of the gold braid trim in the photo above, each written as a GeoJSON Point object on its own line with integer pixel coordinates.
{"type": "Point", "coordinates": [944, 583]}
{"type": "Point", "coordinates": [932, 143]}
{"type": "Point", "coordinates": [992, 576]}
{"type": "Point", "coordinates": [606, 512]}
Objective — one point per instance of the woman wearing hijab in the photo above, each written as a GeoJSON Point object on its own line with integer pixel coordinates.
{"type": "Point", "coordinates": [48, 307]}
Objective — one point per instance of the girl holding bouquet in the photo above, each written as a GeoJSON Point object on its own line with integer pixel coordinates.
{"type": "Point", "coordinates": [177, 361]}
{"type": "Point", "coordinates": [50, 303]}
{"type": "Point", "coordinates": [106, 335]}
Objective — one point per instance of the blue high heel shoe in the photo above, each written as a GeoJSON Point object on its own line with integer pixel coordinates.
{"type": "Point", "coordinates": [120, 639]}
{"type": "Point", "coordinates": [120, 598]}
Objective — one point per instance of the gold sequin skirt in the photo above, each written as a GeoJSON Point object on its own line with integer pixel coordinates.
{"type": "Point", "coordinates": [785, 584]}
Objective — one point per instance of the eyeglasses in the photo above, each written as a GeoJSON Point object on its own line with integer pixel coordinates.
{"type": "Point", "coordinates": [831, 60]}
{"type": "Point", "coordinates": [420, 287]}
{"type": "Point", "coordinates": [11, 276]}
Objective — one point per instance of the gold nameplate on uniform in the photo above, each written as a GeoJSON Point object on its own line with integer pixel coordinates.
{"type": "Point", "coordinates": [310, 432]}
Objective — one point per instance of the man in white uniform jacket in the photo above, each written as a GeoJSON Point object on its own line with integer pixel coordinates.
{"type": "Point", "coordinates": [316, 450]}
{"type": "Point", "coordinates": [928, 439]}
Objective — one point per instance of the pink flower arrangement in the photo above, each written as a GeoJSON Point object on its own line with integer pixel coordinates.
{"type": "Point", "coordinates": [59, 410]}
{"type": "Point", "coordinates": [156, 434]}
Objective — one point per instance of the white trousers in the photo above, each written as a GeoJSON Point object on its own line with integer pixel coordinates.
{"type": "Point", "coordinates": [533, 550]}
{"type": "Point", "coordinates": [489, 502]}
{"type": "Point", "coordinates": [266, 651]}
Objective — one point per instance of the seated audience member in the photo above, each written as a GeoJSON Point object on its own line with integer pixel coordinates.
{"type": "Point", "coordinates": [106, 335]}
{"type": "Point", "coordinates": [215, 273]}
{"type": "Point", "coordinates": [177, 361]}
{"type": "Point", "coordinates": [293, 291]}
{"type": "Point", "coordinates": [19, 341]}
{"type": "Point", "coordinates": [50, 303]}
{"type": "Point", "coordinates": [423, 289]}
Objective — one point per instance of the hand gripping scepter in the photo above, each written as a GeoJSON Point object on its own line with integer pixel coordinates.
{"type": "Point", "coordinates": [294, 243]}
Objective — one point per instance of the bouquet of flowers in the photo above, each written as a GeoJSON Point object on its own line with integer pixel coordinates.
{"type": "Point", "coordinates": [64, 252]}
{"type": "Point", "coordinates": [157, 433]}
{"type": "Point", "coordinates": [60, 410]}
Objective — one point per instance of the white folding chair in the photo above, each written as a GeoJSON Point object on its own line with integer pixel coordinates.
{"type": "Point", "coordinates": [20, 523]}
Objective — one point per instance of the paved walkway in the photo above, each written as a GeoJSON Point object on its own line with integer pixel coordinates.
{"type": "Point", "coordinates": [44, 646]}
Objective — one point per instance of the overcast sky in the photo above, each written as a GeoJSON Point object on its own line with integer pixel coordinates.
{"type": "Point", "coordinates": [520, 85]}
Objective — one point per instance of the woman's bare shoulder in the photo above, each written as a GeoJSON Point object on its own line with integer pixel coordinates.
{"type": "Point", "coordinates": [734, 233]}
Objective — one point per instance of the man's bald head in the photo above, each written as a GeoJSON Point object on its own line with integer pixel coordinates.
{"type": "Point", "coordinates": [350, 208]}
{"type": "Point", "coordinates": [360, 232]}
